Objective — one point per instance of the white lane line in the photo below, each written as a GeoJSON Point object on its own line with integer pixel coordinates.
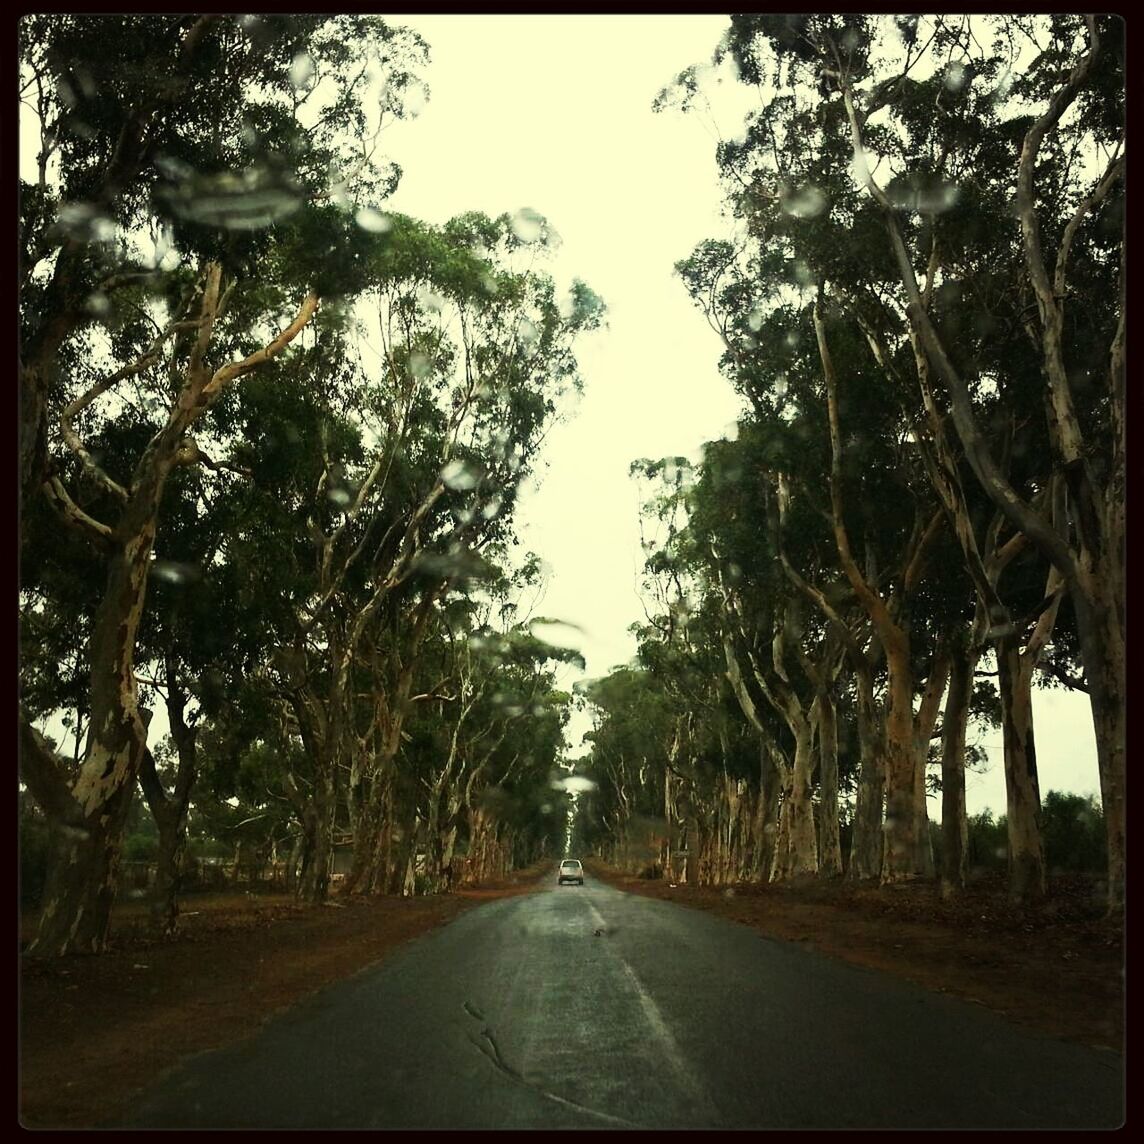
{"type": "Point", "coordinates": [654, 1017]}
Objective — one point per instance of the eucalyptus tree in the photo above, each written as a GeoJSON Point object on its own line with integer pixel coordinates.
{"type": "Point", "coordinates": [502, 720]}
{"type": "Point", "coordinates": [151, 281]}
{"type": "Point", "coordinates": [719, 780]}
{"type": "Point", "coordinates": [624, 812]}
{"type": "Point", "coordinates": [880, 510]}
{"type": "Point", "coordinates": [475, 357]}
{"type": "Point", "coordinates": [943, 122]}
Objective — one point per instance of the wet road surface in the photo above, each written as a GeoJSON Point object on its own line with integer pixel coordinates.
{"type": "Point", "coordinates": [581, 1007]}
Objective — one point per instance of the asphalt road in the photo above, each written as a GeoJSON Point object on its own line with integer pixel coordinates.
{"type": "Point", "coordinates": [584, 1007]}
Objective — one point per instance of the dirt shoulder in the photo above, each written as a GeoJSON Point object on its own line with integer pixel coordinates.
{"type": "Point", "coordinates": [96, 1030]}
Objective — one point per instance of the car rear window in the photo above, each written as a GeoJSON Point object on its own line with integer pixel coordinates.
{"type": "Point", "coordinates": [570, 865]}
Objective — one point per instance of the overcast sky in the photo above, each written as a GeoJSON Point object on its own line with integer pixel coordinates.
{"type": "Point", "coordinates": [554, 113]}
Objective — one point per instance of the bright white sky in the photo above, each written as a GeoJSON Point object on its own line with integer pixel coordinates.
{"type": "Point", "coordinates": [554, 113]}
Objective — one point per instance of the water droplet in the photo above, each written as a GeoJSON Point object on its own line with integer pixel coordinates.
{"type": "Point", "coordinates": [934, 198]}
{"type": "Point", "coordinates": [98, 304]}
{"type": "Point", "coordinates": [793, 339]}
{"type": "Point", "coordinates": [781, 385]}
{"type": "Point", "coordinates": [420, 366]}
{"type": "Point", "coordinates": [527, 224]}
{"type": "Point", "coordinates": [529, 334]}
{"type": "Point", "coordinates": [173, 168]}
{"type": "Point", "coordinates": [860, 169]}
{"type": "Point", "coordinates": [303, 71]}
{"type": "Point", "coordinates": [175, 572]}
{"type": "Point", "coordinates": [491, 509]}
{"type": "Point", "coordinates": [340, 497]}
{"type": "Point", "coordinates": [414, 99]}
{"type": "Point", "coordinates": [802, 273]}
{"type": "Point", "coordinates": [755, 317]}
{"type": "Point", "coordinates": [86, 222]}
{"type": "Point", "coordinates": [557, 633]}
{"type": "Point", "coordinates": [1004, 86]}
{"type": "Point", "coordinates": [247, 200]}
{"type": "Point", "coordinates": [429, 300]}
{"type": "Point", "coordinates": [457, 475]}
{"type": "Point", "coordinates": [956, 76]}
{"type": "Point", "coordinates": [806, 202]}
{"type": "Point", "coordinates": [66, 94]}
{"type": "Point", "coordinates": [371, 219]}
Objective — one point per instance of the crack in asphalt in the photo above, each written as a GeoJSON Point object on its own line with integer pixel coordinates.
{"type": "Point", "coordinates": [492, 1052]}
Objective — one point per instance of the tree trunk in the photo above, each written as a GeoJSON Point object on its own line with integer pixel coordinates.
{"type": "Point", "coordinates": [82, 881]}
{"type": "Point", "coordinates": [801, 847]}
{"type": "Point", "coordinates": [954, 824]}
{"type": "Point", "coordinates": [77, 905]}
{"type": "Point", "coordinates": [866, 841]}
{"type": "Point", "coordinates": [314, 885]}
{"type": "Point", "coordinates": [830, 863]}
{"type": "Point", "coordinates": [1022, 790]}
{"type": "Point", "coordinates": [1102, 639]}
{"type": "Point", "coordinates": [901, 853]}
{"type": "Point", "coordinates": [170, 813]}
{"type": "Point", "coordinates": [168, 871]}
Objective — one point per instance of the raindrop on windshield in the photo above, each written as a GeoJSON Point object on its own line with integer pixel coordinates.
{"type": "Point", "coordinates": [806, 202]}
{"type": "Point", "coordinates": [529, 334]}
{"type": "Point", "coordinates": [249, 200]}
{"type": "Point", "coordinates": [413, 100]}
{"type": "Point", "coordinates": [175, 572]}
{"type": "Point", "coordinates": [491, 509]}
{"type": "Point", "coordinates": [956, 76]}
{"type": "Point", "coordinates": [457, 475]}
{"type": "Point", "coordinates": [557, 633]}
{"type": "Point", "coordinates": [527, 224]}
{"type": "Point", "coordinates": [933, 199]}
{"type": "Point", "coordinates": [1004, 86]}
{"type": "Point", "coordinates": [98, 304]}
{"type": "Point", "coordinates": [303, 71]}
{"type": "Point", "coordinates": [430, 300]}
{"type": "Point", "coordinates": [420, 366]}
{"type": "Point", "coordinates": [86, 222]}
{"type": "Point", "coordinates": [802, 273]}
{"type": "Point", "coordinates": [370, 218]}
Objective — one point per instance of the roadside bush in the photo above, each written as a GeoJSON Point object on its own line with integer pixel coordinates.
{"type": "Point", "coordinates": [1073, 829]}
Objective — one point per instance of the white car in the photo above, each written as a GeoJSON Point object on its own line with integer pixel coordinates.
{"type": "Point", "coordinates": [570, 871]}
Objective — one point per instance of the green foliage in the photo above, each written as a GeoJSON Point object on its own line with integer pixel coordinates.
{"type": "Point", "coordinates": [1074, 833]}
{"type": "Point", "coordinates": [988, 843]}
